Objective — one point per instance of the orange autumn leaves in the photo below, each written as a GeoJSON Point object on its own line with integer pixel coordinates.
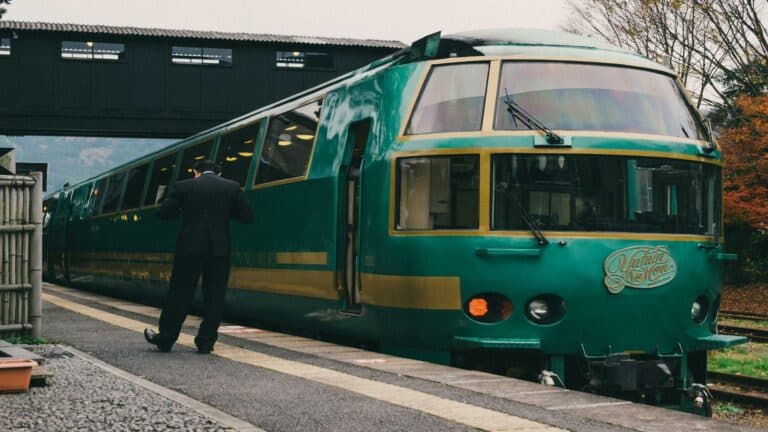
{"type": "Point", "coordinates": [746, 164]}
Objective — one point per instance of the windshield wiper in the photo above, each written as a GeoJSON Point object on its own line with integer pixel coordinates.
{"type": "Point", "coordinates": [529, 120]}
{"type": "Point", "coordinates": [532, 225]}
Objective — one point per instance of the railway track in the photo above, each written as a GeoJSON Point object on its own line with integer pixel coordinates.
{"type": "Point", "coordinates": [739, 388]}
{"type": "Point", "coordinates": [750, 316]}
{"type": "Point", "coordinates": [755, 335]}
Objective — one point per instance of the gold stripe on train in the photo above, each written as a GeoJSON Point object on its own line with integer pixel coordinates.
{"type": "Point", "coordinates": [306, 283]}
{"type": "Point", "coordinates": [307, 258]}
{"type": "Point", "coordinates": [411, 292]}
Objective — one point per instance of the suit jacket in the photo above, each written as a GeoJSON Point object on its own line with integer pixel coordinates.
{"type": "Point", "coordinates": [206, 204]}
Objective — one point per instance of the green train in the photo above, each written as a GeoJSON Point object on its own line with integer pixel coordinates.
{"type": "Point", "coordinates": [529, 202]}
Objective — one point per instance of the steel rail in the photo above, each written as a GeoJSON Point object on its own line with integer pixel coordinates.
{"type": "Point", "coordinates": [750, 316]}
{"type": "Point", "coordinates": [754, 335]}
{"type": "Point", "coordinates": [754, 391]}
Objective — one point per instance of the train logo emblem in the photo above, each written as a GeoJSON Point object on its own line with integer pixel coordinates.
{"type": "Point", "coordinates": [639, 267]}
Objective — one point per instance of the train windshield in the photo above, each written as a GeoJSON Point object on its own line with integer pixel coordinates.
{"type": "Point", "coordinates": [575, 96]}
{"type": "Point", "coordinates": [605, 193]}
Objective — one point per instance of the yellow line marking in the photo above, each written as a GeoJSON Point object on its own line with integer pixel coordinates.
{"type": "Point", "coordinates": [470, 415]}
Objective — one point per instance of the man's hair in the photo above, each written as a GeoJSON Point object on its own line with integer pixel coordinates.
{"type": "Point", "coordinates": [206, 165]}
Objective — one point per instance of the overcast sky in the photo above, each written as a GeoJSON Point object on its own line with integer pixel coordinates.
{"type": "Point", "coordinates": [403, 20]}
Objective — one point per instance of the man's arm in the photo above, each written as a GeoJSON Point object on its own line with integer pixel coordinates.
{"type": "Point", "coordinates": [170, 206]}
{"type": "Point", "coordinates": [241, 210]}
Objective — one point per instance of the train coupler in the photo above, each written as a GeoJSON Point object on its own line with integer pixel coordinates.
{"type": "Point", "coordinates": [619, 373]}
{"type": "Point", "coordinates": [700, 398]}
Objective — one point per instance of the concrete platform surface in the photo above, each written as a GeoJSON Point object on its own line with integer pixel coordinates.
{"type": "Point", "coordinates": [278, 382]}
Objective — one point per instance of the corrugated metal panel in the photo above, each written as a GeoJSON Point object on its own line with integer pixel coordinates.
{"type": "Point", "coordinates": [195, 34]}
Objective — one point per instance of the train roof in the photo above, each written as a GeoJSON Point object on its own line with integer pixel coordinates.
{"type": "Point", "coordinates": [538, 43]}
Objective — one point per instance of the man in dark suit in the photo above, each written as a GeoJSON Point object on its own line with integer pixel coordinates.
{"type": "Point", "coordinates": [206, 204]}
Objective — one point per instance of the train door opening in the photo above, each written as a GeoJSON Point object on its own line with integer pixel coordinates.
{"type": "Point", "coordinates": [351, 205]}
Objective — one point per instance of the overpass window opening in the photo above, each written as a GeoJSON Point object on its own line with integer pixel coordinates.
{"type": "Point", "coordinates": [5, 46]}
{"type": "Point", "coordinates": [302, 59]}
{"type": "Point", "coordinates": [289, 143]}
{"type": "Point", "coordinates": [112, 193]}
{"type": "Point", "coordinates": [72, 50]}
{"type": "Point", "coordinates": [437, 192]}
{"type": "Point", "coordinates": [236, 152]}
{"type": "Point", "coordinates": [452, 100]}
{"type": "Point", "coordinates": [135, 185]}
{"type": "Point", "coordinates": [190, 156]}
{"type": "Point", "coordinates": [201, 56]}
{"type": "Point", "coordinates": [162, 171]}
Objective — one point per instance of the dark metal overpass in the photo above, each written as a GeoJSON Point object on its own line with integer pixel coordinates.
{"type": "Point", "coordinates": [93, 80]}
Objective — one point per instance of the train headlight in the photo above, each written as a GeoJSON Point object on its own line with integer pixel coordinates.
{"type": "Point", "coordinates": [539, 309]}
{"type": "Point", "coordinates": [545, 309]}
{"type": "Point", "coordinates": [488, 308]}
{"type": "Point", "coordinates": [699, 309]}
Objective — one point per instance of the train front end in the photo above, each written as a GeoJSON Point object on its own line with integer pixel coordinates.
{"type": "Point", "coordinates": [571, 196]}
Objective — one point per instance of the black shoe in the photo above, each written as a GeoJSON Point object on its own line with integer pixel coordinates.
{"type": "Point", "coordinates": [154, 339]}
{"type": "Point", "coordinates": [204, 349]}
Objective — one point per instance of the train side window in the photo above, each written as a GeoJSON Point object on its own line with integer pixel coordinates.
{"type": "Point", "coordinates": [438, 192]}
{"type": "Point", "coordinates": [97, 197]}
{"type": "Point", "coordinates": [112, 193]}
{"type": "Point", "coordinates": [452, 100]}
{"type": "Point", "coordinates": [80, 200]}
{"type": "Point", "coordinates": [190, 156]}
{"type": "Point", "coordinates": [49, 205]}
{"type": "Point", "coordinates": [162, 170]}
{"type": "Point", "coordinates": [289, 143]}
{"type": "Point", "coordinates": [135, 186]}
{"type": "Point", "coordinates": [236, 152]}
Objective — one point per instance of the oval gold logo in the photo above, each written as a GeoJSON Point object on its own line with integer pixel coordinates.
{"type": "Point", "coordinates": [639, 267]}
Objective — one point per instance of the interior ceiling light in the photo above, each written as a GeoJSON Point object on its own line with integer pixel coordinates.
{"type": "Point", "coordinates": [250, 141]}
{"type": "Point", "coordinates": [290, 128]}
{"type": "Point", "coordinates": [90, 44]}
{"type": "Point", "coordinates": [200, 157]}
{"type": "Point", "coordinates": [304, 137]}
{"type": "Point", "coordinates": [245, 154]}
{"type": "Point", "coordinates": [231, 158]}
{"type": "Point", "coordinates": [283, 143]}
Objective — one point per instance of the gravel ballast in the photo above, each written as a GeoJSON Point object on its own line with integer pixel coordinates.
{"type": "Point", "coordinates": [83, 397]}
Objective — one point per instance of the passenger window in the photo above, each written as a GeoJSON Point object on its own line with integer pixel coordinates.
{"type": "Point", "coordinates": [98, 196]}
{"type": "Point", "coordinates": [437, 193]}
{"type": "Point", "coordinates": [135, 186]}
{"type": "Point", "coordinates": [80, 200]}
{"type": "Point", "coordinates": [452, 100]}
{"type": "Point", "coordinates": [289, 143]}
{"type": "Point", "coordinates": [112, 193]}
{"type": "Point", "coordinates": [190, 156]}
{"type": "Point", "coordinates": [236, 153]}
{"type": "Point", "coordinates": [162, 170]}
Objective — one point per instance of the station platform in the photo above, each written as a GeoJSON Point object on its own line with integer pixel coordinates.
{"type": "Point", "coordinates": [259, 380]}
